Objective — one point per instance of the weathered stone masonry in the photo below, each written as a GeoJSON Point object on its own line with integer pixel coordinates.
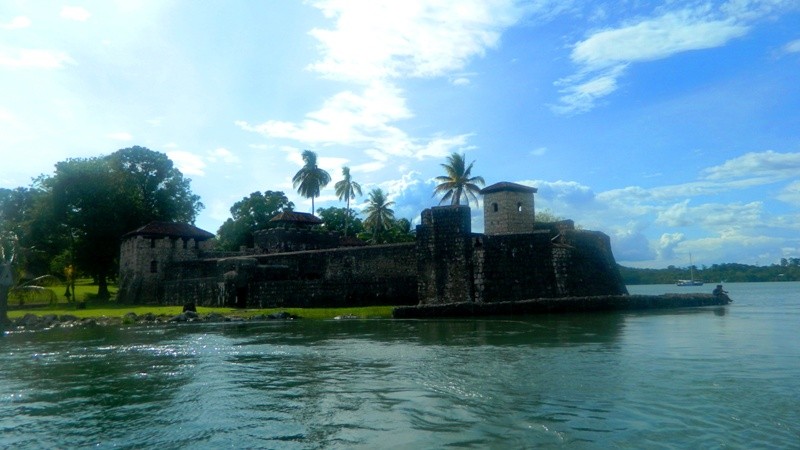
{"type": "Point", "coordinates": [515, 259]}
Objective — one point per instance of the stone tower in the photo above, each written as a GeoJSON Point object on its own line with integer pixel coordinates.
{"type": "Point", "coordinates": [147, 253]}
{"type": "Point", "coordinates": [508, 209]}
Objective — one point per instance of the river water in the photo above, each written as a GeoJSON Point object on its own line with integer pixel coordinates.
{"type": "Point", "coordinates": [720, 377]}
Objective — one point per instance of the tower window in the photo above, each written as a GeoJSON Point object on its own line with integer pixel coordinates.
{"type": "Point", "coordinates": [153, 266]}
{"type": "Point", "coordinates": [152, 243]}
{"type": "Point", "coordinates": [519, 207]}
{"type": "Point", "coordinates": [494, 207]}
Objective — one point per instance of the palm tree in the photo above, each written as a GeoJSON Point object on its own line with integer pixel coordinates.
{"type": "Point", "coordinates": [379, 214]}
{"type": "Point", "coordinates": [457, 181]}
{"type": "Point", "coordinates": [347, 189]}
{"type": "Point", "coordinates": [310, 178]}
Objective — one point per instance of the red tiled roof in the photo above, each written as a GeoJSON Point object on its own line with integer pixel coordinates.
{"type": "Point", "coordinates": [172, 229]}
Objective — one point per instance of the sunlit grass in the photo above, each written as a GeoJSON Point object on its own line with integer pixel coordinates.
{"type": "Point", "coordinates": [86, 293]}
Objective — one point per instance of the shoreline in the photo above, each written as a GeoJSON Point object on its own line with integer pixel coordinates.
{"type": "Point", "coordinates": [561, 305]}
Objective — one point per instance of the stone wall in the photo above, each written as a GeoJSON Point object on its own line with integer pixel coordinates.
{"type": "Point", "coordinates": [516, 266]}
{"type": "Point", "coordinates": [280, 240]}
{"type": "Point", "coordinates": [145, 263]}
{"type": "Point", "coordinates": [444, 255]}
{"type": "Point", "coordinates": [374, 275]}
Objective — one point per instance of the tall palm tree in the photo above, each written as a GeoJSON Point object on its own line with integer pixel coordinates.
{"type": "Point", "coordinates": [347, 189]}
{"type": "Point", "coordinates": [379, 214]}
{"type": "Point", "coordinates": [310, 178]}
{"type": "Point", "coordinates": [458, 181]}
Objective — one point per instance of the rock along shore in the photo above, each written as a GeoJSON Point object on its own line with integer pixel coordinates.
{"type": "Point", "coordinates": [46, 321]}
{"type": "Point", "coordinates": [561, 305]}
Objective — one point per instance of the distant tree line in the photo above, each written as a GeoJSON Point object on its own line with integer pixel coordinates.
{"type": "Point", "coordinates": [787, 270]}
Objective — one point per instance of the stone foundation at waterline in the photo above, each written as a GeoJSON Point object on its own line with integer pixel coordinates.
{"type": "Point", "coordinates": [173, 264]}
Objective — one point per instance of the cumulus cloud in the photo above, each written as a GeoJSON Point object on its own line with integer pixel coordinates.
{"type": "Point", "coordinates": [188, 163]}
{"type": "Point", "coordinates": [34, 58]}
{"type": "Point", "coordinates": [361, 120]}
{"type": "Point", "coordinates": [603, 57]}
{"type": "Point", "coordinates": [377, 39]}
{"type": "Point", "coordinates": [17, 23]}
{"type": "Point", "coordinates": [76, 13]}
{"type": "Point", "coordinates": [632, 245]}
{"type": "Point", "coordinates": [770, 165]}
{"type": "Point", "coordinates": [666, 245]}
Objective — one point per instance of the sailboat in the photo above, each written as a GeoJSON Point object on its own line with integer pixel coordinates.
{"type": "Point", "coordinates": [691, 281]}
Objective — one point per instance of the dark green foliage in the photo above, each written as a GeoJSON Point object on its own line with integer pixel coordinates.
{"type": "Point", "coordinates": [346, 190]}
{"type": "Point", "coordinates": [310, 179]}
{"type": "Point", "coordinates": [251, 214]}
{"type": "Point", "coordinates": [88, 204]}
{"type": "Point", "coordinates": [336, 219]}
{"type": "Point", "coordinates": [380, 215]}
{"type": "Point", "coordinates": [729, 272]}
{"type": "Point", "coordinates": [458, 181]}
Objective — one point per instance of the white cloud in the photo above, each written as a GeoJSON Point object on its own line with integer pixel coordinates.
{"type": "Point", "coordinates": [604, 55]}
{"type": "Point", "coordinates": [791, 194]}
{"type": "Point", "coordinates": [223, 155]}
{"type": "Point", "coordinates": [792, 47]}
{"type": "Point", "coordinates": [188, 163]}
{"type": "Point", "coordinates": [539, 151]}
{"type": "Point", "coordinates": [657, 38]}
{"type": "Point", "coordinates": [769, 164]}
{"type": "Point", "coordinates": [75, 13]}
{"type": "Point", "coordinates": [361, 120]}
{"type": "Point", "coordinates": [34, 58]}
{"type": "Point", "coordinates": [17, 23]}
{"type": "Point", "coordinates": [667, 243]}
{"type": "Point", "coordinates": [374, 39]}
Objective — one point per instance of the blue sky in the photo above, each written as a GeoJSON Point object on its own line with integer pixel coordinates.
{"type": "Point", "coordinates": [673, 126]}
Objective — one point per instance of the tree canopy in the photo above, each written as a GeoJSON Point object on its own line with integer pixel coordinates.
{"type": "Point", "coordinates": [310, 178]}
{"type": "Point", "coordinates": [380, 215]}
{"type": "Point", "coordinates": [89, 203]}
{"type": "Point", "coordinates": [458, 182]}
{"type": "Point", "coordinates": [346, 190]}
{"type": "Point", "coordinates": [251, 214]}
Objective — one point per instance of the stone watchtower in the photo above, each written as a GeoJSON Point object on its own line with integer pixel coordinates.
{"type": "Point", "coordinates": [508, 209]}
{"type": "Point", "coordinates": [147, 253]}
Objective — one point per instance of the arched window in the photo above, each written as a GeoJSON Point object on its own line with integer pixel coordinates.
{"type": "Point", "coordinates": [519, 207]}
{"type": "Point", "coordinates": [153, 266]}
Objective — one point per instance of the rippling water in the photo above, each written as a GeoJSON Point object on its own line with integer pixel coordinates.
{"type": "Point", "coordinates": [694, 378]}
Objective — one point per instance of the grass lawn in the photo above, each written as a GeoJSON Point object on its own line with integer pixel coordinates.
{"type": "Point", "coordinates": [86, 292]}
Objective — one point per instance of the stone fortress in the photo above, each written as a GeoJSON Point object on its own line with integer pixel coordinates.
{"type": "Point", "coordinates": [297, 266]}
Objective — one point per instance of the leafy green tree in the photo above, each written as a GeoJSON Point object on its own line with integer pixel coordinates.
{"type": "Point", "coordinates": [458, 181]}
{"type": "Point", "coordinates": [347, 189]}
{"type": "Point", "coordinates": [251, 214]}
{"type": "Point", "coordinates": [310, 178]}
{"type": "Point", "coordinates": [380, 215]}
{"type": "Point", "coordinates": [95, 201]}
{"type": "Point", "coordinates": [338, 219]}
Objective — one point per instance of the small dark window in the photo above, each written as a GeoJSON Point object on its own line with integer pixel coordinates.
{"type": "Point", "coordinates": [172, 242]}
{"type": "Point", "coordinates": [519, 207]}
{"type": "Point", "coordinates": [152, 243]}
{"type": "Point", "coordinates": [185, 242]}
{"type": "Point", "coordinates": [153, 266]}
{"type": "Point", "coordinates": [494, 207]}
